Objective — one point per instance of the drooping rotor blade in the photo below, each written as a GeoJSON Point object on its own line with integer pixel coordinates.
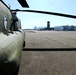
{"type": "Point", "coordinates": [50, 13]}
{"type": "Point", "coordinates": [23, 3]}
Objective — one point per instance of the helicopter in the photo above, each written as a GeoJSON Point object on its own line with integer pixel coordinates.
{"type": "Point", "coordinates": [12, 36]}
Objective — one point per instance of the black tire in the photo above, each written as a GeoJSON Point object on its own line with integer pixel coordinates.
{"type": "Point", "coordinates": [17, 71]}
{"type": "Point", "coordinates": [24, 44]}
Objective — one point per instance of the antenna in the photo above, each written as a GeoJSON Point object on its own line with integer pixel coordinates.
{"type": "Point", "coordinates": [9, 6]}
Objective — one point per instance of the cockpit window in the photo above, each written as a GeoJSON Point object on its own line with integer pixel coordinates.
{"type": "Point", "coordinates": [5, 23]}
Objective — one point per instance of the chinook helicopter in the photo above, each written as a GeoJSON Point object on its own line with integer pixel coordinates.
{"type": "Point", "coordinates": [12, 37]}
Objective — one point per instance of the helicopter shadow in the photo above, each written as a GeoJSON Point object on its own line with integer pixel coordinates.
{"type": "Point", "coordinates": [49, 49]}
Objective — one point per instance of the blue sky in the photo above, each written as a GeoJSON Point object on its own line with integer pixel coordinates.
{"type": "Point", "coordinates": [29, 20]}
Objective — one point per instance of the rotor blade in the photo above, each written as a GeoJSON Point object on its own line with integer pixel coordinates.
{"type": "Point", "coordinates": [23, 3]}
{"type": "Point", "coordinates": [50, 13]}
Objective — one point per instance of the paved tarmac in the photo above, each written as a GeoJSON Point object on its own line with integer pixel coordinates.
{"type": "Point", "coordinates": [49, 62]}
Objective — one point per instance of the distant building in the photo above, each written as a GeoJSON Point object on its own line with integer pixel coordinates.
{"type": "Point", "coordinates": [48, 25]}
{"type": "Point", "coordinates": [58, 28]}
{"type": "Point", "coordinates": [75, 28]}
{"type": "Point", "coordinates": [69, 28]}
{"type": "Point", "coordinates": [65, 28]}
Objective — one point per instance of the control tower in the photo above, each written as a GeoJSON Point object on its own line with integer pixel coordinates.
{"type": "Point", "coordinates": [48, 25]}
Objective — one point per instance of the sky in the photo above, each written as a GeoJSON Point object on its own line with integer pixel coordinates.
{"type": "Point", "coordinates": [30, 20]}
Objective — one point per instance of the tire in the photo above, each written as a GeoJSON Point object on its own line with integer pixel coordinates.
{"type": "Point", "coordinates": [24, 44]}
{"type": "Point", "coordinates": [17, 71]}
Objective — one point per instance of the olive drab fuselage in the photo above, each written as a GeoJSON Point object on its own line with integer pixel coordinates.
{"type": "Point", "coordinates": [11, 41]}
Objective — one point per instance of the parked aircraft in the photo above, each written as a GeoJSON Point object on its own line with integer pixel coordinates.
{"type": "Point", "coordinates": [12, 36]}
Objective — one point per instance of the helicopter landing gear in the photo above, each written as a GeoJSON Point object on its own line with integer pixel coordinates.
{"type": "Point", "coordinates": [24, 44]}
{"type": "Point", "coordinates": [16, 73]}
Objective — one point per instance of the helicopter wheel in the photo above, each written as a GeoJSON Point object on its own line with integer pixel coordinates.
{"type": "Point", "coordinates": [24, 44]}
{"type": "Point", "coordinates": [16, 73]}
